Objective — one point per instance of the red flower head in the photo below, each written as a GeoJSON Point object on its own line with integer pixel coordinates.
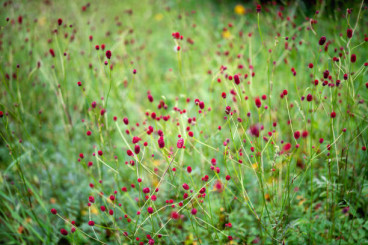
{"type": "Point", "coordinates": [349, 33]}
{"type": "Point", "coordinates": [137, 149]}
{"type": "Point", "coordinates": [185, 186]}
{"type": "Point", "coordinates": [180, 143]}
{"type": "Point", "coordinates": [161, 142]}
{"type": "Point", "coordinates": [258, 8]}
{"type": "Point", "coordinates": [254, 130]}
{"type": "Point", "coordinates": [236, 79]}
{"type": "Point", "coordinates": [353, 58]}
{"type": "Point", "coordinates": [108, 54]}
{"type": "Point", "coordinates": [52, 52]}
{"type": "Point", "coordinates": [258, 102]}
{"type": "Point", "coordinates": [322, 40]}
{"type": "Point", "coordinates": [63, 232]}
{"type": "Point", "coordinates": [286, 148]}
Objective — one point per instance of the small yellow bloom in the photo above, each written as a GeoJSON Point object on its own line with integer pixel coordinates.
{"type": "Point", "coordinates": [255, 166]}
{"type": "Point", "coordinates": [226, 34]}
{"type": "Point", "coordinates": [42, 21]}
{"type": "Point", "coordinates": [156, 163]}
{"type": "Point", "coordinates": [239, 9]}
{"type": "Point", "coordinates": [267, 196]}
{"type": "Point", "coordinates": [155, 181]}
{"type": "Point", "coordinates": [94, 210]}
{"type": "Point", "coordinates": [159, 17]}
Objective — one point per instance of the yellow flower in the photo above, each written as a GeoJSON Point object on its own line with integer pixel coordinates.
{"type": "Point", "coordinates": [155, 181]}
{"type": "Point", "coordinates": [156, 163]}
{"type": "Point", "coordinates": [255, 165]}
{"type": "Point", "coordinates": [301, 200]}
{"type": "Point", "coordinates": [94, 210]}
{"type": "Point", "coordinates": [159, 17]}
{"type": "Point", "coordinates": [239, 9]}
{"type": "Point", "coordinates": [42, 21]}
{"type": "Point", "coordinates": [226, 34]}
{"type": "Point", "coordinates": [267, 196]}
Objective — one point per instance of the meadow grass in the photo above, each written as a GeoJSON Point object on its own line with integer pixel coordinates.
{"type": "Point", "coordinates": [183, 122]}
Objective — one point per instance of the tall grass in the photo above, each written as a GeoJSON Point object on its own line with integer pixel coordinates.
{"type": "Point", "coordinates": [247, 129]}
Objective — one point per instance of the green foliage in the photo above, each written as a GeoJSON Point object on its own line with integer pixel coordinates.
{"type": "Point", "coordinates": [313, 193]}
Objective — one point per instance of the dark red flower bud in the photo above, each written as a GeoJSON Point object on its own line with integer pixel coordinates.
{"type": "Point", "coordinates": [185, 186]}
{"type": "Point", "coordinates": [63, 232]}
{"type": "Point", "coordinates": [258, 102]}
{"type": "Point", "coordinates": [137, 149]}
{"type": "Point", "coordinates": [353, 58]}
{"type": "Point", "coordinates": [322, 40]}
{"type": "Point", "coordinates": [108, 54]}
{"type": "Point", "coordinates": [52, 52]}
{"type": "Point", "coordinates": [258, 8]}
{"type": "Point", "coordinates": [161, 142]}
{"type": "Point", "coordinates": [236, 79]}
{"type": "Point", "coordinates": [349, 33]}
{"type": "Point", "coordinates": [296, 135]}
